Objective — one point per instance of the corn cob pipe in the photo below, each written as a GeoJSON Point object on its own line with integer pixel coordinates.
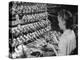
{"type": "Point", "coordinates": [30, 18]}
{"type": "Point", "coordinates": [32, 27]}
{"type": "Point", "coordinates": [30, 36]}
{"type": "Point", "coordinates": [23, 8]}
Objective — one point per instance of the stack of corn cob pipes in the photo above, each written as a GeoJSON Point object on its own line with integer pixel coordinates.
{"type": "Point", "coordinates": [29, 29]}
{"type": "Point", "coordinates": [27, 8]}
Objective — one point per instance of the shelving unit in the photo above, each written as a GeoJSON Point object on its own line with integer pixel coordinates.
{"type": "Point", "coordinates": [28, 26]}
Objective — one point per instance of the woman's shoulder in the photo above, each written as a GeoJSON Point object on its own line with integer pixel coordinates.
{"type": "Point", "coordinates": [69, 34]}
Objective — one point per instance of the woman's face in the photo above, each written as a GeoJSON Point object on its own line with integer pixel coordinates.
{"type": "Point", "coordinates": [61, 23]}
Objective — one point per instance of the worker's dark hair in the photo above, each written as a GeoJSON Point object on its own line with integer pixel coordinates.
{"type": "Point", "coordinates": [67, 16]}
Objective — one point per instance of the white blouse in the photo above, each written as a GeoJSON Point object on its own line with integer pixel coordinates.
{"type": "Point", "coordinates": [67, 43]}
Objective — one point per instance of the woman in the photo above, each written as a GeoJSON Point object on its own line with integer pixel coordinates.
{"type": "Point", "coordinates": [67, 40]}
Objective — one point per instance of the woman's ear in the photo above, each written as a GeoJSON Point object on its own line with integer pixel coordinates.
{"type": "Point", "coordinates": [59, 18]}
{"type": "Point", "coordinates": [64, 22]}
